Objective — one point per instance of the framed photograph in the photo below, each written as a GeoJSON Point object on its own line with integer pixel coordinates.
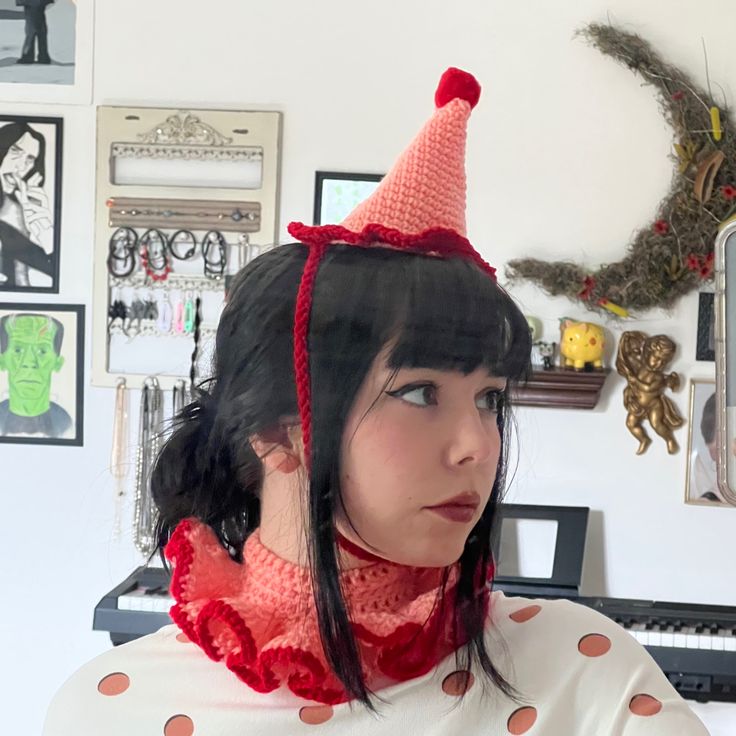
{"type": "Point", "coordinates": [30, 203]}
{"type": "Point", "coordinates": [46, 51]}
{"type": "Point", "coordinates": [706, 344]}
{"type": "Point", "coordinates": [701, 486]}
{"type": "Point", "coordinates": [42, 374]}
{"type": "Point", "coordinates": [337, 194]}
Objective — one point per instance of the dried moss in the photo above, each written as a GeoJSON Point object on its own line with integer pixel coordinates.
{"type": "Point", "coordinates": [662, 263]}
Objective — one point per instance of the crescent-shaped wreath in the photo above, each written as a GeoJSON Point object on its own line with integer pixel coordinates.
{"type": "Point", "coordinates": [673, 254]}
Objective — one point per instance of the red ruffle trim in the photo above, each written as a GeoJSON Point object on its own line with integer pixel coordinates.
{"type": "Point", "coordinates": [409, 651]}
{"type": "Point", "coordinates": [435, 240]}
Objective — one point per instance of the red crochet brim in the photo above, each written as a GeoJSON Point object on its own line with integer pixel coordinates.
{"type": "Point", "coordinates": [441, 240]}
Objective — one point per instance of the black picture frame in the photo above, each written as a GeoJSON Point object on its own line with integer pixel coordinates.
{"type": "Point", "coordinates": [322, 181]}
{"type": "Point", "coordinates": [72, 352]}
{"type": "Point", "coordinates": [31, 234]}
{"type": "Point", "coordinates": [705, 344]}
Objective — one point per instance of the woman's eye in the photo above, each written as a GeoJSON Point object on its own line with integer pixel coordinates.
{"type": "Point", "coordinates": [495, 400]}
{"type": "Point", "coordinates": [408, 391]}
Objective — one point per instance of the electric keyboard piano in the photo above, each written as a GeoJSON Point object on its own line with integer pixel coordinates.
{"type": "Point", "coordinates": [138, 606]}
{"type": "Point", "coordinates": [694, 644]}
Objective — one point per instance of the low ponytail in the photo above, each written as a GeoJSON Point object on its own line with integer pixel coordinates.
{"type": "Point", "coordinates": [202, 472]}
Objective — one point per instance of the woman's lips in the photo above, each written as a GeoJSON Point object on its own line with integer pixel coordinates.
{"type": "Point", "coordinates": [463, 514]}
{"type": "Point", "coordinates": [461, 508]}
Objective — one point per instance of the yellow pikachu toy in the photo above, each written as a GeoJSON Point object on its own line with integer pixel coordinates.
{"type": "Point", "coordinates": [581, 343]}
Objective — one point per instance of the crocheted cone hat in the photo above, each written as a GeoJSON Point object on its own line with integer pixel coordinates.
{"type": "Point", "coordinates": [419, 207]}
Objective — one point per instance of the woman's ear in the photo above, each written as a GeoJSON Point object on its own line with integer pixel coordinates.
{"type": "Point", "coordinates": [279, 448]}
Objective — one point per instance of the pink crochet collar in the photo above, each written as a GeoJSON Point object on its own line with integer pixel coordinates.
{"type": "Point", "coordinates": [259, 617]}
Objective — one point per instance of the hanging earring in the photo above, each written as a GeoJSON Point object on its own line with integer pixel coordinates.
{"type": "Point", "coordinates": [179, 316]}
{"type": "Point", "coordinates": [121, 253]}
{"type": "Point", "coordinates": [119, 454]}
{"type": "Point", "coordinates": [189, 314]}
{"type": "Point", "coordinates": [154, 255]}
{"type": "Point", "coordinates": [243, 250]}
{"type": "Point", "coordinates": [163, 323]}
{"type": "Point", "coordinates": [135, 314]}
{"type": "Point", "coordinates": [214, 253]}
{"type": "Point", "coordinates": [117, 311]}
{"type": "Point", "coordinates": [150, 308]}
{"type": "Point", "coordinates": [183, 245]}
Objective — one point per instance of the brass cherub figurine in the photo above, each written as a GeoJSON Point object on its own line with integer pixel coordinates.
{"type": "Point", "coordinates": [641, 361]}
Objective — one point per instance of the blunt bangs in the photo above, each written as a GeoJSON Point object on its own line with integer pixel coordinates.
{"type": "Point", "coordinates": [442, 314]}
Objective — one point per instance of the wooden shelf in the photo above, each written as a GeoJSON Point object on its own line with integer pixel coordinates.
{"type": "Point", "coordinates": [562, 387]}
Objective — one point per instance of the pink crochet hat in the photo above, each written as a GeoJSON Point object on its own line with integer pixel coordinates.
{"type": "Point", "coordinates": [419, 206]}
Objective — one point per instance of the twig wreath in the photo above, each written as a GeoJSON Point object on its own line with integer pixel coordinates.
{"type": "Point", "coordinates": [674, 254]}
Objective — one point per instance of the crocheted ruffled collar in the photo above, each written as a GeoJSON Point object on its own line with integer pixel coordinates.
{"type": "Point", "coordinates": [259, 618]}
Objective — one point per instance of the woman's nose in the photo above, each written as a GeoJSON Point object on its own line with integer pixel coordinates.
{"type": "Point", "coordinates": [472, 439]}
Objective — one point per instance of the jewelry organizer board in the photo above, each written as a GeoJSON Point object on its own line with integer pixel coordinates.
{"type": "Point", "coordinates": [172, 169]}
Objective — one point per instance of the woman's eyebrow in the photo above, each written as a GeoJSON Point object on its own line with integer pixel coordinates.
{"type": "Point", "coordinates": [499, 381]}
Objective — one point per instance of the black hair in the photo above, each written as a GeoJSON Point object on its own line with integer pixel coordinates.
{"type": "Point", "coordinates": [444, 314]}
{"type": "Point", "coordinates": [5, 338]}
{"type": "Point", "coordinates": [11, 133]}
{"type": "Point", "coordinates": [708, 420]}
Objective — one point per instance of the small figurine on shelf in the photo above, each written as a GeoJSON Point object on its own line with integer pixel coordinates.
{"type": "Point", "coordinates": [641, 360]}
{"type": "Point", "coordinates": [547, 353]}
{"type": "Point", "coordinates": [542, 352]}
{"type": "Point", "coordinates": [581, 345]}
{"type": "Point", "coordinates": [535, 327]}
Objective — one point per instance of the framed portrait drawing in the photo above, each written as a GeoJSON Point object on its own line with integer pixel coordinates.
{"type": "Point", "coordinates": [337, 193]}
{"type": "Point", "coordinates": [41, 374]}
{"type": "Point", "coordinates": [46, 51]}
{"type": "Point", "coordinates": [706, 343]}
{"type": "Point", "coordinates": [701, 486]}
{"type": "Point", "coordinates": [30, 203]}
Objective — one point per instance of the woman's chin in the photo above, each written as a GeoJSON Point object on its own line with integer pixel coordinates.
{"type": "Point", "coordinates": [440, 554]}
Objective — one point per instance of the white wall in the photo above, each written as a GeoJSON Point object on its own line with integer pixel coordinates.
{"type": "Point", "coordinates": [568, 156]}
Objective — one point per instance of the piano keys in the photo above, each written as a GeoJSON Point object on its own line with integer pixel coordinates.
{"type": "Point", "coordinates": [694, 644]}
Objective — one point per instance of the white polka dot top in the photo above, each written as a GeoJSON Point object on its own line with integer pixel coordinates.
{"type": "Point", "coordinates": [578, 674]}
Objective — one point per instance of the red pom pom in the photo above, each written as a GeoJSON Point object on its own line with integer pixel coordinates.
{"type": "Point", "coordinates": [456, 83]}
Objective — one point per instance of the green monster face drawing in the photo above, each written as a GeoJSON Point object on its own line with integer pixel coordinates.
{"type": "Point", "coordinates": [30, 354]}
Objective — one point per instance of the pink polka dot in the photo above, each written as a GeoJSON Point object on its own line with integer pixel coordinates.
{"type": "Point", "coordinates": [458, 683]}
{"type": "Point", "coordinates": [183, 638]}
{"type": "Point", "coordinates": [522, 720]}
{"type": "Point", "coordinates": [179, 726]}
{"type": "Point", "coordinates": [314, 715]}
{"type": "Point", "coordinates": [524, 614]}
{"type": "Point", "coordinates": [113, 684]}
{"type": "Point", "coordinates": [644, 705]}
{"type": "Point", "coordinates": [594, 645]}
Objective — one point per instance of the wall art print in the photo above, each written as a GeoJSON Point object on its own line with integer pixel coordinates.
{"type": "Point", "coordinates": [41, 373]}
{"type": "Point", "coordinates": [46, 50]}
{"type": "Point", "coordinates": [30, 203]}
{"type": "Point", "coordinates": [338, 193]}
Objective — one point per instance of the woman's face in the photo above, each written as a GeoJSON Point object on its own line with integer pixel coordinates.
{"type": "Point", "coordinates": [430, 439]}
{"type": "Point", "coordinates": [19, 160]}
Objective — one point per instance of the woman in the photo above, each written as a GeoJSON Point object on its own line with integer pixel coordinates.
{"type": "Point", "coordinates": [328, 504]}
